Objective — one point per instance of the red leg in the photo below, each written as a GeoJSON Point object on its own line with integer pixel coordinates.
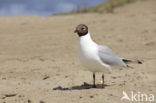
{"type": "Point", "coordinates": [103, 86]}
{"type": "Point", "coordinates": [94, 86]}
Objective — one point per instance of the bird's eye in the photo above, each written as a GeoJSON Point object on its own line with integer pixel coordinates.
{"type": "Point", "coordinates": [83, 28]}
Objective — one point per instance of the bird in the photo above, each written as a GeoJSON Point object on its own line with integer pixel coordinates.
{"type": "Point", "coordinates": [95, 57]}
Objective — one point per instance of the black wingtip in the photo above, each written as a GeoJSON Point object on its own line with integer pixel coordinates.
{"type": "Point", "coordinates": [126, 61]}
{"type": "Point", "coordinates": [130, 61]}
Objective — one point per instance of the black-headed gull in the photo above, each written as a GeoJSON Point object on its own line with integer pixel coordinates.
{"type": "Point", "coordinates": [97, 58]}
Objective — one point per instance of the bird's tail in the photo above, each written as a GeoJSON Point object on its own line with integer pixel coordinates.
{"type": "Point", "coordinates": [131, 61]}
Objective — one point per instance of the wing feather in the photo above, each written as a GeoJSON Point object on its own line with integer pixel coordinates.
{"type": "Point", "coordinates": [108, 57]}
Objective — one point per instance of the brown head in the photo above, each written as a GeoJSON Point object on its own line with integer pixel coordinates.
{"type": "Point", "coordinates": [81, 30]}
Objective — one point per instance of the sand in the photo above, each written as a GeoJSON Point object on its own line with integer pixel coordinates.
{"type": "Point", "coordinates": [39, 63]}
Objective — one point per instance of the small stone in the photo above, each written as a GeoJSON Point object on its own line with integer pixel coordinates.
{"type": "Point", "coordinates": [3, 78]}
{"type": "Point", "coordinates": [66, 76]}
{"type": "Point", "coordinates": [80, 97]}
{"type": "Point", "coordinates": [114, 77]}
{"type": "Point", "coordinates": [42, 101]}
{"type": "Point", "coordinates": [29, 101]}
{"type": "Point", "coordinates": [42, 59]}
{"type": "Point", "coordinates": [91, 96]}
{"type": "Point", "coordinates": [46, 77]}
{"type": "Point", "coordinates": [111, 94]}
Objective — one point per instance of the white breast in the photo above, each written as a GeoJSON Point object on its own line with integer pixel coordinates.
{"type": "Point", "coordinates": [88, 54]}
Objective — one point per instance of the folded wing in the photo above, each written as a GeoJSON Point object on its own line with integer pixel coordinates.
{"type": "Point", "coordinates": [108, 57]}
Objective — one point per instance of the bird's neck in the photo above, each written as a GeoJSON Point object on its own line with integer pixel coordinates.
{"type": "Point", "coordinates": [86, 39]}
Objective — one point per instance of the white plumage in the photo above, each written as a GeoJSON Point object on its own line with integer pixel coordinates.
{"type": "Point", "coordinates": [96, 58]}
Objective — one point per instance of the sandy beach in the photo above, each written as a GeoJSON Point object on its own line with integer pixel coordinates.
{"type": "Point", "coordinates": [39, 62]}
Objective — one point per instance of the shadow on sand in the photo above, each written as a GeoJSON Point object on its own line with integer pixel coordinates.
{"type": "Point", "coordinates": [81, 87]}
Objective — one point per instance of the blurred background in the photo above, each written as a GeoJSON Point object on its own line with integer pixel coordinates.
{"type": "Point", "coordinates": [42, 7]}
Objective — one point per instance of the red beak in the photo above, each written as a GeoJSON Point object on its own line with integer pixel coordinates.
{"type": "Point", "coordinates": [75, 31]}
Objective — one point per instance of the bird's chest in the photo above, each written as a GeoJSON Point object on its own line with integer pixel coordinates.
{"type": "Point", "coordinates": [87, 55]}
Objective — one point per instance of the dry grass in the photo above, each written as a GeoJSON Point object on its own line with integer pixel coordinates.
{"type": "Point", "coordinates": [110, 5]}
{"type": "Point", "coordinates": [107, 6]}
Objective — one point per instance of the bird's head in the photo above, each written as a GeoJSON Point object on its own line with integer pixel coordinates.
{"type": "Point", "coordinates": [81, 30]}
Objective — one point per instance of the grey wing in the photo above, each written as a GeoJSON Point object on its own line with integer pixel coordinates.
{"type": "Point", "coordinates": [108, 57]}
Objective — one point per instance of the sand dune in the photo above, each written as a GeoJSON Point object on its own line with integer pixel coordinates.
{"type": "Point", "coordinates": [39, 63]}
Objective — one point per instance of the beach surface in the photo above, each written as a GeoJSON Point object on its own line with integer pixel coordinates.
{"type": "Point", "coordinates": [39, 62]}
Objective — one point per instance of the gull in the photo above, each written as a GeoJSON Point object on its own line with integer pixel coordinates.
{"type": "Point", "coordinates": [97, 58]}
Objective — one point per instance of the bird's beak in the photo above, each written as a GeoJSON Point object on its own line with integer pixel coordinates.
{"type": "Point", "coordinates": [75, 31]}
